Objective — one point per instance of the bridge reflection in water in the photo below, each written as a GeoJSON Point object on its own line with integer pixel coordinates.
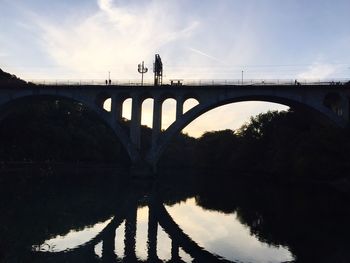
{"type": "Point", "coordinates": [157, 216]}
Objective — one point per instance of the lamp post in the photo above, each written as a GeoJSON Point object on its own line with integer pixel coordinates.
{"type": "Point", "coordinates": [142, 70]}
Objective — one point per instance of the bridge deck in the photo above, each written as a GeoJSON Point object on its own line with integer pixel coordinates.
{"type": "Point", "coordinates": [187, 83]}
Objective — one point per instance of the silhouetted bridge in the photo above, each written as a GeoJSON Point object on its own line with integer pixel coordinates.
{"type": "Point", "coordinates": [325, 100]}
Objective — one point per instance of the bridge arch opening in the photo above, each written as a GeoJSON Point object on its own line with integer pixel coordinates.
{"type": "Point", "coordinates": [107, 105]}
{"type": "Point", "coordinates": [229, 116]}
{"type": "Point", "coordinates": [147, 112]}
{"type": "Point", "coordinates": [189, 104]}
{"type": "Point", "coordinates": [169, 112]}
{"type": "Point", "coordinates": [126, 109]}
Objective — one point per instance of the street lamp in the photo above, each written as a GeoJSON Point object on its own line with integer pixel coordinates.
{"type": "Point", "coordinates": [242, 77]}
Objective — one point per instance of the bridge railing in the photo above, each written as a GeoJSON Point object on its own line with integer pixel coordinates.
{"type": "Point", "coordinates": [276, 82]}
{"type": "Point", "coordinates": [194, 82]}
{"type": "Point", "coordinates": [89, 82]}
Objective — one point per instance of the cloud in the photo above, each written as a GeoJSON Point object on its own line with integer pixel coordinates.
{"type": "Point", "coordinates": [206, 55]}
{"type": "Point", "coordinates": [114, 38]}
{"type": "Point", "coordinates": [319, 71]}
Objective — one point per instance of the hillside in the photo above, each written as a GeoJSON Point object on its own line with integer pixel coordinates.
{"type": "Point", "coordinates": [7, 78]}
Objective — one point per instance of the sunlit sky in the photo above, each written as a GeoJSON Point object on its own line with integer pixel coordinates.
{"type": "Point", "coordinates": [289, 39]}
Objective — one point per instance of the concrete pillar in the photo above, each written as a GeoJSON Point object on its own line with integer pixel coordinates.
{"type": "Point", "coordinates": [179, 107]}
{"type": "Point", "coordinates": [152, 235]}
{"type": "Point", "coordinates": [135, 128]}
{"type": "Point", "coordinates": [116, 108]}
{"type": "Point", "coordinates": [119, 108]}
{"type": "Point", "coordinates": [130, 233]}
{"type": "Point", "coordinates": [157, 120]}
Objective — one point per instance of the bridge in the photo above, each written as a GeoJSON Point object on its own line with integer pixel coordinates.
{"type": "Point", "coordinates": [326, 101]}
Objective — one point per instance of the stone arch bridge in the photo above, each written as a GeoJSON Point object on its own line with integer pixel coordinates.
{"type": "Point", "coordinates": [324, 100]}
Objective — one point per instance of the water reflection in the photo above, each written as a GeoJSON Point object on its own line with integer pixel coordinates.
{"type": "Point", "coordinates": [159, 220]}
{"type": "Point", "coordinates": [190, 217]}
{"type": "Point", "coordinates": [225, 235]}
{"type": "Point", "coordinates": [72, 240]}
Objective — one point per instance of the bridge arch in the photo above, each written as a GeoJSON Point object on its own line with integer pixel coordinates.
{"type": "Point", "coordinates": [7, 107]}
{"type": "Point", "coordinates": [321, 112]}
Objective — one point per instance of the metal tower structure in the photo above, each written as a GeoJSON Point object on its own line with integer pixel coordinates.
{"type": "Point", "coordinates": [158, 71]}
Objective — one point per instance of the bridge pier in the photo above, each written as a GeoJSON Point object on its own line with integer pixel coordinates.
{"type": "Point", "coordinates": [179, 107]}
{"type": "Point", "coordinates": [157, 120]}
{"type": "Point", "coordinates": [116, 108]}
{"type": "Point", "coordinates": [135, 126]}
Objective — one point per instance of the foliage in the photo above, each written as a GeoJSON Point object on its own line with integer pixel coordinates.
{"type": "Point", "coordinates": [8, 79]}
{"type": "Point", "coordinates": [57, 130]}
{"type": "Point", "coordinates": [283, 144]}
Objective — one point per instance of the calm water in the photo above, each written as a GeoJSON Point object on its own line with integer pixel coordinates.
{"type": "Point", "coordinates": [180, 217]}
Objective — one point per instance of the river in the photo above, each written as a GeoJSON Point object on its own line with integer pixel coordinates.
{"type": "Point", "coordinates": [178, 216]}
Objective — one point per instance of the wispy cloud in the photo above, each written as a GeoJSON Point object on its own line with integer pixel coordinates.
{"type": "Point", "coordinates": [319, 71]}
{"type": "Point", "coordinates": [206, 55]}
{"type": "Point", "coordinates": [114, 37]}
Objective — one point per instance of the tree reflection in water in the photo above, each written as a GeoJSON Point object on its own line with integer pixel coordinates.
{"type": "Point", "coordinates": [306, 220]}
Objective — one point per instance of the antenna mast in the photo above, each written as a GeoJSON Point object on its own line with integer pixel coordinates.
{"type": "Point", "coordinates": [142, 70]}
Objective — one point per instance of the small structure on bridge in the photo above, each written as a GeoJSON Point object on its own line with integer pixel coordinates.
{"type": "Point", "coordinates": [158, 71]}
{"type": "Point", "coordinates": [176, 82]}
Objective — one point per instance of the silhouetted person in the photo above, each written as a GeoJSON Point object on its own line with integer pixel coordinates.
{"type": "Point", "coordinates": [106, 82]}
{"type": "Point", "coordinates": [109, 82]}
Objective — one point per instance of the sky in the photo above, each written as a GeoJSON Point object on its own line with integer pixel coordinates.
{"type": "Point", "coordinates": [197, 40]}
